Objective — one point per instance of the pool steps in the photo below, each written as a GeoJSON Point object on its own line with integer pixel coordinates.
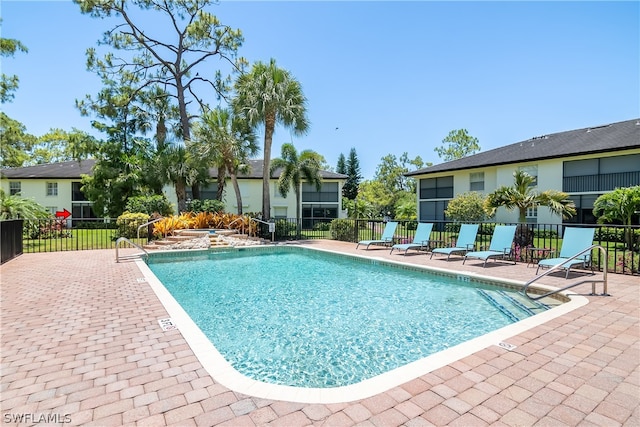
{"type": "Point", "coordinates": [512, 305]}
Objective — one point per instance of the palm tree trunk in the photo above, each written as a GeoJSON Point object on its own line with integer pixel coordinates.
{"type": "Point", "coordinates": [236, 188]}
{"type": "Point", "coordinates": [181, 195]}
{"type": "Point", "coordinates": [269, 128]}
{"type": "Point", "coordinates": [222, 176]}
{"type": "Point", "coordinates": [298, 219]}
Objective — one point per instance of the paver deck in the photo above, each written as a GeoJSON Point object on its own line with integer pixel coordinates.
{"type": "Point", "coordinates": [81, 345]}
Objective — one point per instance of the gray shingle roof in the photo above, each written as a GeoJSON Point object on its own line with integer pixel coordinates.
{"type": "Point", "coordinates": [606, 138]}
{"type": "Point", "coordinates": [71, 169]}
{"type": "Point", "coordinates": [74, 170]}
{"type": "Point", "coordinates": [255, 172]}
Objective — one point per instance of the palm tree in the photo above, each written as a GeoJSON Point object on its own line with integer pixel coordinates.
{"type": "Point", "coordinates": [294, 168]}
{"type": "Point", "coordinates": [230, 142]}
{"type": "Point", "coordinates": [270, 95]}
{"type": "Point", "coordinates": [13, 207]}
{"type": "Point", "coordinates": [523, 196]}
{"type": "Point", "coordinates": [177, 166]}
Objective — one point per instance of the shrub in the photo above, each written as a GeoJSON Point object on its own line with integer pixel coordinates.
{"type": "Point", "coordinates": [342, 229]}
{"type": "Point", "coordinates": [467, 207]}
{"type": "Point", "coordinates": [322, 226]}
{"type": "Point", "coordinates": [128, 224]}
{"type": "Point", "coordinates": [206, 205]}
{"type": "Point", "coordinates": [150, 205]}
{"type": "Point", "coordinates": [285, 228]}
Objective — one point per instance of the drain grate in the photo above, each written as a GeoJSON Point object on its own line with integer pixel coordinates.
{"type": "Point", "coordinates": [507, 346]}
{"type": "Point", "coordinates": [167, 324]}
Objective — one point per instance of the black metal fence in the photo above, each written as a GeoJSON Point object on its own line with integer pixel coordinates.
{"type": "Point", "coordinates": [532, 240]}
{"type": "Point", "coordinates": [622, 243]}
{"type": "Point", "coordinates": [10, 239]}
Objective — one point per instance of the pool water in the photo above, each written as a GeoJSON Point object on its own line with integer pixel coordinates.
{"type": "Point", "coordinates": [307, 319]}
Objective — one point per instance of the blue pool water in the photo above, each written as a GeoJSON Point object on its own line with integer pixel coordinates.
{"type": "Point", "coordinates": [302, 318]}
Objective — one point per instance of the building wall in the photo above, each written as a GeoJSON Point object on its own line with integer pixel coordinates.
{"type": "Point", "coordinates": [550, 175]}
{"type": "Point", "coordinates": [36, 189]}
{"type": "Point", "coordinates": [251, 191]}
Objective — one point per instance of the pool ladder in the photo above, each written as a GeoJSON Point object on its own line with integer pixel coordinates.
{"type": "Point", "coordinates": [132, 256]}
{"type": "Point", "coordinates": [557, 267]}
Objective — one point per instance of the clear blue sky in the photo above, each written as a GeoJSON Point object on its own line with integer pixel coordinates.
{"type": "Point", "coordinates": [383, 77]}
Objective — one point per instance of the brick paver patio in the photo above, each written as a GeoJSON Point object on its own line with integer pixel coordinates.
{"type": "Point", "coordinates": [81, 345]}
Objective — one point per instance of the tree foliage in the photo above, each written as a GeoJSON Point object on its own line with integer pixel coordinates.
{"type": "Point", "coordinates": [294, 168]}
{"type": "Point", "coordinates": [352, 169]}
{"type": "Point", "coordinates": [456, 145]}
{"type": "Point", "coordinates": [173, 55]}
{"type": "Point", "coordinates": [9, 84]}
{"type": "Point", "coordinates": [269, 95]}
{"type": "Point", "coordinates": [341, 166]}
{"type": "Point", "coordinates": [398, 188]}
{"type": "Point", "coordinates": [467, 207]}
{"type": "Point", "coordinates": [14, 207]}
{"type": "Point", "coordinates": [622, 204]}
{"type": "Point", "coordinates": [378, 199]}
{"type": "Point", "coordinates": [15, 142]}
{"type": "Point", "coordinates": [228, 141]}
{"type": "Point", "coordinates": [523, 195]}
{"type": "Point", "coordinates": [58, 145]}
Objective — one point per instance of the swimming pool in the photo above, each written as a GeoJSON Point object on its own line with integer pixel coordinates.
{"type": "Point", "coordinates": [302, 327]}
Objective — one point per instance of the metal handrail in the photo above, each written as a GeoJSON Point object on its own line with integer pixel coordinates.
{"type": "Point", "coordinates": [236, 220]}
{"type": "Point", "coordinates": [124, 239]}
{"type": "Point", "coordinates": [272, 227]}
{"type": "Point", "coordinates": [558, 266]}
{"type": "Point", "coordinates": [146, 224]}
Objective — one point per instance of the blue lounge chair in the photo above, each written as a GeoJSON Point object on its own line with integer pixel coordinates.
{"type": "Point", "coordinates": [465, 243]}
{"type": "Point", "coordinates": [385, 240]}
{"type": "Point", "coordinates": [420, 239]}
{"type": "Point", "coordinates": [500, 246]}
{"type": "Point", "coordinates": [575, 240]}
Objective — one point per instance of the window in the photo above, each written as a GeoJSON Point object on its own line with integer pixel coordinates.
{"type": "Point", "coordinates": [476, 181]}
{"type": "Point", "coordinates": [433, 211]}
{"type": "Point", "coordinates": [328, 192]}
{"type": "Point", "coordinates": [436, 188]}
{"type": "Point", "coordinates": [603, 174]}
{"type": "Point", "coordinates": [15, 187]}
{"type": "Point", "coordinates": [280, 212]}
{"type": "Point", "coordinates": [52, 188]}
{"type": "Point", "coordinates": [52, 210]}
{"type": "Point", "coordinates": [76, 194]}
{"type": "Point", "coordinates": [275, 193]}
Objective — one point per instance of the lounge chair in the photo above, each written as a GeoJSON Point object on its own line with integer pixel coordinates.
{"type": "Point", "coordinates": [420, 239]}
{"type": "Point", "coordinates": [575, 240]}
{"type": "Point", "coordinates": [500, 246]}
{"type": "Point", "coordinates": [465, 243]}
{"type": "Point", "coordinates": [385, 240]}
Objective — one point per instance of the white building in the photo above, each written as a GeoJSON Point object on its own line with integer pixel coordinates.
{"type": "Point", "coordinates": [585, 163]}
{"type": "Point", "coordinates": [57, 187]}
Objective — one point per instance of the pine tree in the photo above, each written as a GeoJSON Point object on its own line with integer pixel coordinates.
{"type": "Point", "coordinates": [341, 167]}
{"type": "Point", "coordinates": [350, 189]}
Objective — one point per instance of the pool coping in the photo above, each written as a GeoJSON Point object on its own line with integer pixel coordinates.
{"type": "Point", "coordinates": [223, 372]}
